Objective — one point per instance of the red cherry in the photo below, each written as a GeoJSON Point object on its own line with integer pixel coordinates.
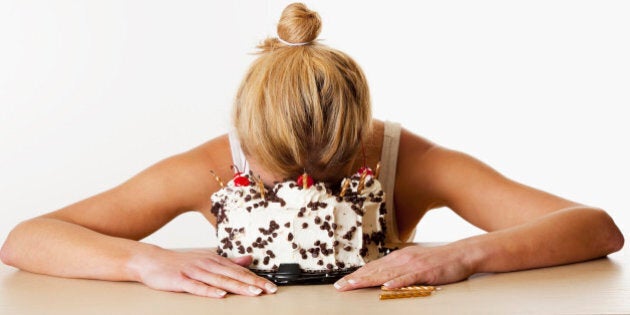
{"type": "Point", "coordinates": [309, 180]}
{"type": "Point", "coordinates": [365, 169]}
{"type": "Point", "coordinates": [240, 180]}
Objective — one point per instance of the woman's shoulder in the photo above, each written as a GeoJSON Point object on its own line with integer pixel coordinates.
{"type": "Point", "coordinates": [380, 127]}
{"type": "Point", "coordinates": [409, 142]}
{"type": "Point", "coordinates": [410, 145]}
{"type": "Point", "coordinates": [216, 147]}
{"type": "Point", "coordinates": [214, 154]}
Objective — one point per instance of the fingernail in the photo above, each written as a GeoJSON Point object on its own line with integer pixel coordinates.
{"type": "Point", "coordinates": [388, 284]}
{"type": "Point", "coordinates": [254, 290]}
{"type": "Point", "coordinates": [271, 287]}
{"type": "Point", "coordinates": [340, 283]}
{"type": "Point", "coordinates": [221, 292]}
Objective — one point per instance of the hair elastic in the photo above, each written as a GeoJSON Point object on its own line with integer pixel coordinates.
{"type": "Point", "coordinates": [291, 44]}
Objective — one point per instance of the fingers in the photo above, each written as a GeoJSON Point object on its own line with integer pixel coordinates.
{"type": "Point", "coordinates": [224, 282]}
{"type": "Point", "coordinates": [365, 279]}
{"type": "Point", "coordinates": [404, 280]}
{"type": "Point", "coordinates": [201, 289]}
{"type": "Point", "coordinates": [236, 268]}
{"type": "Point", "coordinates": [246, 276]}
{"type": "Point", "coordinates": [375, 273]}
{"type": "Point", "coordinates": [226, 274]}
{"type": "Point", "coordinates": [390, 279]}
{"type": "Point", "coordinates": [204, 273]}
{"type": "Point", "coordinates": [408, 266]}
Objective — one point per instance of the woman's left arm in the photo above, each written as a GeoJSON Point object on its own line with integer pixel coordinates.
{"type": "Point", "coordinates": [527, 228]}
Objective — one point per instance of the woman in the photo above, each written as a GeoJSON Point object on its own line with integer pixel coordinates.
{"type": "Point", "coordinates": [303, 105]}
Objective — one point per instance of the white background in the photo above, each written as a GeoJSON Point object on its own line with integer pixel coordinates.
{"type": "Point", "coordinates": [92, 92]}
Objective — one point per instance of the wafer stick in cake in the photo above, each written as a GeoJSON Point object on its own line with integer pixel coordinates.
{"type": "Point", "coordinates": [261, 186]}
{"type": "Point", "coordinates": [304, 178]}
{"type": "Point", "coordinates": [346, 184]}
{"type": "Point", "coordinates": [217, 178]}
{"type": "Point", "coordinates": [362, 181]}
{"type": "Point", "coordinates": [378, 170]}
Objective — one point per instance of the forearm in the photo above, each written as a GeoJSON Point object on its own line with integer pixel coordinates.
{"type": "Point", "coordinates": [59, 248]}
{"type": "Point", "coordinates": [562, 237]}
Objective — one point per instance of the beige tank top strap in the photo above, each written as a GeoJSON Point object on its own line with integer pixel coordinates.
{"type": "Point", "coordinates": [389, 158]}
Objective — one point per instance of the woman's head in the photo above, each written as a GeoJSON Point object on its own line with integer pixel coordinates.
{"type": "Point", "coordinates": [302, 105]}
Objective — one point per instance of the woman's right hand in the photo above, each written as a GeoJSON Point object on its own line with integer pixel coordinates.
{"type": "Point", "coordinates": [200, 272]}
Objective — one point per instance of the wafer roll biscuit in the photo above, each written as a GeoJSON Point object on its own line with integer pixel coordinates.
{"type": "Point", "coordinates": [387, 295]}
{"type": "Point", "coordinates": [346, 184]}
{"type": "Point", "coordinates": [217, 178]}
{"type": "Point", "coordinates": [261, 187]}
{"type": "Point", "coordinates": [362, 181]}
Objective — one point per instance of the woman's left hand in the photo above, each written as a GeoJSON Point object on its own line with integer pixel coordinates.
{"type": "Point", "coordinates": [413, 265]}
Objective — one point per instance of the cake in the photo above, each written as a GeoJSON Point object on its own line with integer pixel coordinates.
{"type": "Point", "coordinates": [311, 224]}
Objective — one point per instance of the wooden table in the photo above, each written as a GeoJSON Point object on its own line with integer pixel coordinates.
{"type": "Point", "coordinates": [596, 287]}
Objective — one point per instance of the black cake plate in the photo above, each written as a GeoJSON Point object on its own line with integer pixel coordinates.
{"type": "Point", "coordinates": [292, 274]}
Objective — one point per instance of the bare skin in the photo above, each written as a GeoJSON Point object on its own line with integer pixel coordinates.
{"type": "Point", "coordinates": [97, 238]}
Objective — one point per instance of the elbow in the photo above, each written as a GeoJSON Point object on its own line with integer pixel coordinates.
{"type": "Point", "coordinates": [6, 255]}
{"type": "Point", "coordinates": [616, 241]}
{"type": "Point", "coordinates": [9, 253]}
{"type": "Point", "coordinates": [612, 239]}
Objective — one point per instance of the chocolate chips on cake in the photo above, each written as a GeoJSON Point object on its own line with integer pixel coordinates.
{"type": "Point", "coordinates": [315, 226]}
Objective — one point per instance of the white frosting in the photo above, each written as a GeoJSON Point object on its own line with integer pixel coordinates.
{"type": "Point", "coordinates": [311, 227]}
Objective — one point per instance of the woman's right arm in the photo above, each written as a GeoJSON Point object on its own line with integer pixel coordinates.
{"type": "Point", "coordinates": [97, 238]}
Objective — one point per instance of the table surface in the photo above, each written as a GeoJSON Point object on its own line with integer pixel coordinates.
{"type": "Point", "coordinates": [600, 286]}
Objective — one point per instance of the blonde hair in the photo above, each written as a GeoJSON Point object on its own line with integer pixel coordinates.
{"type": "Point", "coordinates": [302, 107]}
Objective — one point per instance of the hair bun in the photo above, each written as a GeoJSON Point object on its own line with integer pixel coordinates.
{"type": "Point", "coordinates": [298, 24]}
